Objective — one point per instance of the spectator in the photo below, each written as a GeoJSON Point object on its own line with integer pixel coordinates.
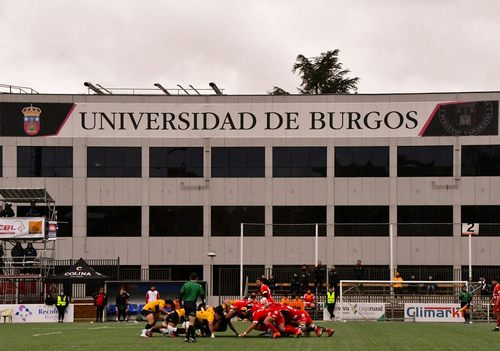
{"type": "Point", "coordinates": [285, 300]}
{"type": "Point", "coordinates": [62, 304]}
{"type": "Point", "coordinates": [309, 300]}
{"type": "Point", "coordinates": [358, 274]}
{"type": "Point", "coordinates": [334, 279]}
{"type": "Point", "coordinates": [122, 305]}
{"type": "Point", "coordinates": [413, 287]}
{"type": "Point", "coordinates": [29, 256]}
{"type": "Point", "coordinates": [398, 287]}
{"type": "Point", "coordinates": [431, 286]}
{"type": "Point", "coordinates": [472, 287]}
{"type": "Point", "coordinates": [330, 302]}
{"type": "Point", "coordinates": [2, 264]}
{"type": "Point", "coordinates": [271, 283]}
{"type": "Point", "coordinates": [152, 295]}
{"type": "Point", "coordinates": [49, 300]}
{"type": "Point", "coordinates": [100, 301]}
{"type": "Point", "coordinates": [319, 277]}
{"type": "Point", "coordinates": [33, 212]}
{"type": "Point", "coordinates": [483, 286]}
{"type": "Point", "coordinates": [177, 304]}
{"type": "Point", "coordinates": [17, 257]}
{"type": "Point", "coordinates": [295, 285]}
{"type": "Point", "coordinates": [7, 211]}
{"type": "Point", "coordinates": [304, 279]}
{"type": "Point", "coordinates": [297, 299]}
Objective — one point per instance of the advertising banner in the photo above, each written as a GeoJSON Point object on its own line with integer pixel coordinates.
{"type": "Point", "coordinates": [22, 227]}
{"type": "Point", "coordinates": [38, 313]}
{"type": "Point", "coordinates": [432, 312]}
{"type": "Point", "coordinates": [358, 311]}
{"type": "Point", "coordinates": [363, 117]}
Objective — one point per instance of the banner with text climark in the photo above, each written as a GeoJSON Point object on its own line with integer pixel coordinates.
{"type": "Point", "coordinates": [432, 312]}
{"type": "Point", "coordinates": [360, 118]}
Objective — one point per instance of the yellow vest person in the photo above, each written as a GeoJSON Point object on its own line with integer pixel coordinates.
{"type": "Point", "coordinates": [62, 303]}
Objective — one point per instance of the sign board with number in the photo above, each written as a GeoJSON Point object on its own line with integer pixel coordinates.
{"type": "Point", "coordinates": [470, 228]}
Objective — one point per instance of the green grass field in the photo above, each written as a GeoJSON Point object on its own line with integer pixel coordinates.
{"type": "Point", "coordinates": [348, 336]}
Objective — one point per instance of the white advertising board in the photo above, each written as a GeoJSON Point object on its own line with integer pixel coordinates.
{"type": "Point", "coordinates": [22, 227]}
{"type": "Point", "coordinates": [38, 313]}
{"type": "Point", "coordinates": [432, 312]}
{"type": "Point", "coordinates": [358, 311]}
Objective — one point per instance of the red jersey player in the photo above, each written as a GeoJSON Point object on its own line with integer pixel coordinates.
{"type": "Point", "coordinates": [264, 290]}
{"type": "Point", "coordinates": [496, 302]}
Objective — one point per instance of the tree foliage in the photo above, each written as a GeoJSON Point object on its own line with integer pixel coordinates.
{"type": "Point", "coordinates": [278, 91]}
{"type": "Point", "coordinates": [324, 74]}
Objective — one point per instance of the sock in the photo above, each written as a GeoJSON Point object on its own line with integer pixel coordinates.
{"type": "Point", "coordinates": [498, 322]}
{"type": "Point", "coordinates": [290, 330]}
{"type": "Point", "coordinates": [148, 326]}
{"type": "Point", "coordinates": [272, 327]}
{"type": "Point", "coordinates": [190, 332]}
{"type": "Point", "coordinates": [172, 329]}
{"type": "Point", "coordinates": [181, 331]}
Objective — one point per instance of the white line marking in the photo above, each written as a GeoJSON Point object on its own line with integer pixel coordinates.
{"type": "Point", "coordinates": [47, 333]}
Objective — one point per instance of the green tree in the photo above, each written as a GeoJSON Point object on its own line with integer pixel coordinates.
{"type": "Point", "coordinates": [322, 75]}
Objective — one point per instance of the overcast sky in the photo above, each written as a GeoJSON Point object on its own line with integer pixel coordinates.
{"type": "Point", "coordinates": [247, 47]}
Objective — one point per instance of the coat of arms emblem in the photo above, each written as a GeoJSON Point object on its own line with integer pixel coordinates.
{"type": "Point", "coordinates": [32, 119]}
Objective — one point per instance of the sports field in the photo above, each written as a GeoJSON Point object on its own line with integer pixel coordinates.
{"type": "Point", "coordinates": [348, 336]}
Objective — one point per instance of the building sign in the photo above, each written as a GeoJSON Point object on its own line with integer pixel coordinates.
{"type": "Point", "coordinates": [22, 227]}
{"type": "Point", "coordinates": [257, 120]}
{"type": "Point", "coordinates": [358, 311]}
{"type": "Point", "coordinates": [431, 312]}
{"type": "Point", "coordinates": [38, 313]}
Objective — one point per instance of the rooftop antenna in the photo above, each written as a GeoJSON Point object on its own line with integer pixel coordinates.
{"type": "Point", "coordinates": [183, 89]}
{"type": "Point", "coordinates": [103, 88]}
{"type": "Point", "coordinates": [194, 89]}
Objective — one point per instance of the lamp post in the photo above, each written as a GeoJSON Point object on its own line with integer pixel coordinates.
{"type": "Point", "coordinates": [211, 254]}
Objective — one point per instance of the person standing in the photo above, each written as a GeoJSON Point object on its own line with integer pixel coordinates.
{"type": "Point", "coordinates": [264, 290]}
{"type": "Point", "coordinates": [304, 279]}
{"type": "Point", "coordinates": [484, 287]}
{"type": "Point", "coordinates": [17, 257]}
{"type": "Point", "coordinates": [465, 298]}
{"type": "Point", "coordinates": [152, 295]}
{"type": "Point", "coordinates": [319, 277]}
{"type": "Point", "coordinates": [190, 292]}
{"type": "Point", "coordinates": [100, 301]}
{"type": "Point", "coordinates": [29, 254]}
{"type": "Point", "coordinates": [398, 287]}
{"type": "Point", "coordinates": [330, 302]}
{"type": "Point", "coordinates": [61, 305]}
{"type": "Point", "coordinates": [122, 305]}
{"type": "Point", "coordinates": [359, 274]}
{"type": "Point", "coordinates": [496, 302]}
{"type": "Point", "coordinates": [334, 279]}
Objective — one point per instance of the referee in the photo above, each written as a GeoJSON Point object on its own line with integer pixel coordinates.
{"type": "Point", "coordinates": [189, 294]}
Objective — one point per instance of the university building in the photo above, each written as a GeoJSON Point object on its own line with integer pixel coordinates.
{"type": "Point", "coordinates": [161, 181]}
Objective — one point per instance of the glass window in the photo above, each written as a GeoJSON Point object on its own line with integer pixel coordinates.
{"type": "Point", "coordinates": [64, 217]}
{"type": "Point", "coordinates": [480, 160]}
{"type": "Point", "coordinates": [291, 162]}
{"type": "Point", "coordinates": [226, 220]}
{"type": "Point", "coordinates": [425, 220]}
{"type": "Point", "coordinates": [111, 162]}
{"type": "Point", "coordinates": [175, 162]}
{"type": "Point", "coordinates": [425, 161]}
{"type": "Point", "coordinates": [361, 220]}
{"type": "Point", "coordinates": [241, 162]}
{"type": "Point", "coordinates": [487, 216]}
{"type": "Point", "coordinates": [299, 220]}
{"type": "Point", "coordinates": [362, 161]}
{"type": "Point", "coordinates": [176, 221]}
{"type": "Point", "coordinates": [114, 221]}
{"type": "Point", "coordinates": [44, 161]}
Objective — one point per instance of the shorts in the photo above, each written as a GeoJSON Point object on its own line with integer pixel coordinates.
{"type": "Point", "coordinates": [173, 318]}
{"type": "Point", "coordinates": [496, 309]}
{"type": "Point", "coordinates": [190, 308]}
{"type": "Point", "coordinates": [462, 304]}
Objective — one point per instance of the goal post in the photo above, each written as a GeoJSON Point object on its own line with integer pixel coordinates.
{"type": "Point", "coordinates": [415, 301]}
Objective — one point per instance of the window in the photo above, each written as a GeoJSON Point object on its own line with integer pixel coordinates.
{"type": "Point", "coordinates": [64, 216]}
{"type": "Point", "coordinates": [299, 220]}
{"type": "Point", "coordinates": [480, 160]}
{"type": "Point", "coordinates": [425, 220]}
{"type": "Point", "coordinates": [242, 162]}
{"type": "Point", "coordinates": [44, 161]}
{"type": "Point", "coordinates": [175, 162]}
{"type": "Point", "coordinates": [110, 162]}
{"type": "Point", "coordinates": [425, 161]}
{"type": "Point", "coordinates": [291, 162]}
{"type": "Point", "coordinates": [361, 161]}
{"type": "Point", "coordinates": [487, 216]}
{"type": "Point", "coordinates": [114, 221]}
{"type": "Point", "coordinates": [226, 220]}
{"type": "Point", "coordinates": [176, 221]}
{"type": "Point", "coordinates": [361, 221]}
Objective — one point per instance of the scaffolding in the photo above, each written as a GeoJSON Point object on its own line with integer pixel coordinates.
{"type": "Point", "coordinates": [22, 278]}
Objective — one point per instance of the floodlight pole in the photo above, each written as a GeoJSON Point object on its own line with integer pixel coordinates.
{"type": "Point", "coordinates": [470, 257]}
{"type": "Point", "coordinates": [241, 260]}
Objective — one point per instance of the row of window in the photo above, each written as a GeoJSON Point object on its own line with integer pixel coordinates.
{"type": "Point", "coordinates": [249, 162]}
{"type": "Point", "coordinates": [117, 221]}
